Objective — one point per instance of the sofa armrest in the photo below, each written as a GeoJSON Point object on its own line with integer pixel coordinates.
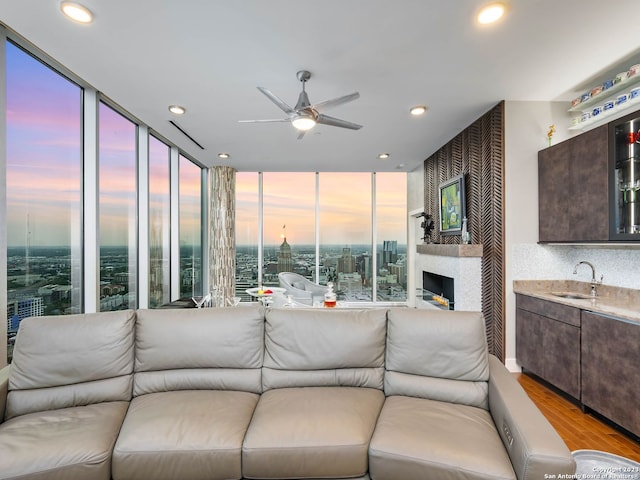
{"type": "Point", "coordinates": [4, 390]}
{"type": "Point", "coordinates": [533, 445]}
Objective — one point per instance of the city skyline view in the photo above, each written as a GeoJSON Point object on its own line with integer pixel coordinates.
{"type": "Point", "coordinates": [330, 220]}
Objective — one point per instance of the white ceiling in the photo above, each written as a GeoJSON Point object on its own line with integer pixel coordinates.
{"type": "Point", "coordinates": [210, 55]}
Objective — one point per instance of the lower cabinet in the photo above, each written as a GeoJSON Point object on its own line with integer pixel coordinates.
{"type": "Point", "coordinates": [548, 342]}
{"type": "Point", "coordinates": [593, 357]}
{"type": "Point", "coordinates": [610, 373]}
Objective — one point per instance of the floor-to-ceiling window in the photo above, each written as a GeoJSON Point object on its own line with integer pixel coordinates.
{"type": "Point", "coordinates": [322, 226]}
{"type": "Point", "coordinates": [44, 195]}
{"type": "Point", "coordinates": [117, 165]}
{"type": "Point", "coordinates": [159, 223]}
{"type": "Point", "coordinates": [289, 230]}
{"type": "Point", "coordinates": [346, 249]}
{"type": "Point", "coordinates": [391, 236]}
{"type": "Point", "coordinates": [51, 208]}
{"type": "Point", "coordinates": [190, 198]}
{"type": "Point", "coordinates": [248, 239]}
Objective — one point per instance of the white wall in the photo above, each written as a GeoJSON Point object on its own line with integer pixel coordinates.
{"type": "Point", "coordinates": [415, 189]}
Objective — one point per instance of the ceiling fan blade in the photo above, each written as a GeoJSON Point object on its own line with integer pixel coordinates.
{"type": "Point", "coordinates": [336, 122]}
{"type": "Point", "coordinates": [336, 101]}
{"type": "Point", "coordinates": [268, 120]}
{"type": "Point", "coordinates": [283, 106]}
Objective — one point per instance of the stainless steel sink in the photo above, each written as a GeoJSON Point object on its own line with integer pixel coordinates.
{"type": "Point", "coordinates": [573, 295]}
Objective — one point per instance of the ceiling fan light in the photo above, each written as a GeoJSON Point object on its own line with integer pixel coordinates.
{"type": "Point", "coordinates": [418, 110]}
{"type": "Point", "coordinates": [76, 12]}
{"type": "Point", "coordinates": [303, 122]}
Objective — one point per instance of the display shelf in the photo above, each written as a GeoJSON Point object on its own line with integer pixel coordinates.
{"type": "Point", "coordinates": [600, 119]}
{"type": "Point", "coordinates": [608, 94]}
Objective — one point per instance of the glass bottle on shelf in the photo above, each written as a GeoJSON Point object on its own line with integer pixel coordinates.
{"type": "Point", "coordinates": [626, 178]}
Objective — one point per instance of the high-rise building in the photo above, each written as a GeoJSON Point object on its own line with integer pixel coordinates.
{"type": "Point", "coordinates": [346, 263]}
{"type": "Point", "coordinates": [389, 252]}
{"type": "Point", "coordinates": [285, 264]}
{"type": "Point", "coordinates": [400, 271]}
{"type": "Point", "coordinates": [20, 308]}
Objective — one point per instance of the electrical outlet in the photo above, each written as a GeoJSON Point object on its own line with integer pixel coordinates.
{"type": "Point", "coordinates": [507, 433]}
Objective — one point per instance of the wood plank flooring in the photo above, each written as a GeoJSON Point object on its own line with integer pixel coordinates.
{"type": "Point", "coordinates": [579, 430]}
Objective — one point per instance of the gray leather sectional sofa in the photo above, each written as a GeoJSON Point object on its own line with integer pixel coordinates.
{"type": "Point", "coordinates": [231, 393]}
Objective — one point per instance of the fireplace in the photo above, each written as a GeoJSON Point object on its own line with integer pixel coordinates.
{"type": "Point", "coordinates": [438, 290]}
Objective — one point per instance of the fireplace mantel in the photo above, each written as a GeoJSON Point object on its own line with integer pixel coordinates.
{"type": "Point", "coordinates": [442, 250]}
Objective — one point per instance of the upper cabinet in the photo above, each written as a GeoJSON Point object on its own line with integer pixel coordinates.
{"type": "Point", "coordinates": [588, 186]}
{"type": "Point", "coordinates": [624, 166]}
{"type": "Point", "coordinates": [573, 189]}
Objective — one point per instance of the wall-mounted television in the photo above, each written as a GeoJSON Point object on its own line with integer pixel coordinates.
{"type": "Point", "coordinates": [452, 205]}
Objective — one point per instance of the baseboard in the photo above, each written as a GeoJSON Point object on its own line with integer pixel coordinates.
{"type": "Point", "coordinates": [512, 365]}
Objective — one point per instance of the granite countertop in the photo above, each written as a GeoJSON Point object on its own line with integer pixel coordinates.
{"type": "Point", "coordinates": [614, 301]}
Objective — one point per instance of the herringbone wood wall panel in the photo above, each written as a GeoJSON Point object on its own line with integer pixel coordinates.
{"type": "Point", "coordinates": [477, 152]}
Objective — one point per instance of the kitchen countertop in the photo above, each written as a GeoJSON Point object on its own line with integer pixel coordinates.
{"type": "Point", "coordinates": [615, 301]}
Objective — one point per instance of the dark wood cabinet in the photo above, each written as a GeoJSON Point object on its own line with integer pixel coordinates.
{"type": "Point", "coordinates": [610, 373]}
{"type": "Point", "coordinates": [573, 183]}
{"type": "Point", "coordinates": [591, 356]}
{"type": "Point", "coordinates": [548, 342]}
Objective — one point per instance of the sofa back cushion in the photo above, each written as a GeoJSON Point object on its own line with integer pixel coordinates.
{"type": "Point", "coordinates": [437, 354]}
{"type": "Point", "coordinates": [324, 347]}
{"type": "Point", "coordinates": [71, 360]}
{"type": "Point", "coordinates": [199, 348]}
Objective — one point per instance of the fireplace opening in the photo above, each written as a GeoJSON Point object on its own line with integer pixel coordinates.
{"type": "Point", "coordinates": [438, 290]}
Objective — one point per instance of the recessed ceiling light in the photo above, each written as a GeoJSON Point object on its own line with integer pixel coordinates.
{"type": "Point", "coordinates": [382, 156]}
{"type": "Point", "coordinates": [76, 12]}
{"type": "Point", "coordinates": [223, 155]}
{"type": "Point", "coordinates": [177, 109]}
{"type": "Point", "coordinates": [418, 110]}
{"type": "Point", "coordinates": [491, 13]}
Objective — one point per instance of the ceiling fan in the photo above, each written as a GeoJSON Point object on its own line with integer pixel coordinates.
{"type": "Point", "coordinates": [304, 116]}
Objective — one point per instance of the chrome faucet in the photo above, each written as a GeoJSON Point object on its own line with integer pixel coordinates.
{"type": "Point", "coordinates": [594, 283]}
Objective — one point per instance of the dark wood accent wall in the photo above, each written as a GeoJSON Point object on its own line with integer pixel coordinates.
{"type": "Point", "coordinates": [478, 152]}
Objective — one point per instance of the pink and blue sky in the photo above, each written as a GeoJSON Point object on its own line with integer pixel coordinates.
{"type": "Point", "coordinates": [44, 178]}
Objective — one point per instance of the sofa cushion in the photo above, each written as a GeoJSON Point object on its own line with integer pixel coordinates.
{"type": "Point", "coordinates": [312, 432]}
{"type": "Point", "coordinates": [324, 347]}
{"type": "Point", "coordinates": [199, 348]}
{"type": "Point", "coordinates": [184, 435]}
{"type": "Point", "coordinates": [441, 355]}
{"type": "Point", "coordinates": [66, 444]}
{"type": "Point", "coordinates": [71, 360]}
{"type": "Point", "coordinates": [416, 438]}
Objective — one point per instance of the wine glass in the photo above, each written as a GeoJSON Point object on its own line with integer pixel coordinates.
{"type": "Point", "coordinates": [198, 300]}
{"type": "Point", "coordinates": [234, 301]}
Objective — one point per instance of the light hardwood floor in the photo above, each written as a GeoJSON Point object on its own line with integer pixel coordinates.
{"type": "Point", "coordinates": [578, 430]}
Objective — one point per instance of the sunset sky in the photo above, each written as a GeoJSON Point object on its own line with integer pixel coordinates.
{"type": "Point", "coordinates": [345, 208]}
{"type": "Point", "coordinates": [44, 178]}
{"type": "Point", "coordinates": [43, 152]}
